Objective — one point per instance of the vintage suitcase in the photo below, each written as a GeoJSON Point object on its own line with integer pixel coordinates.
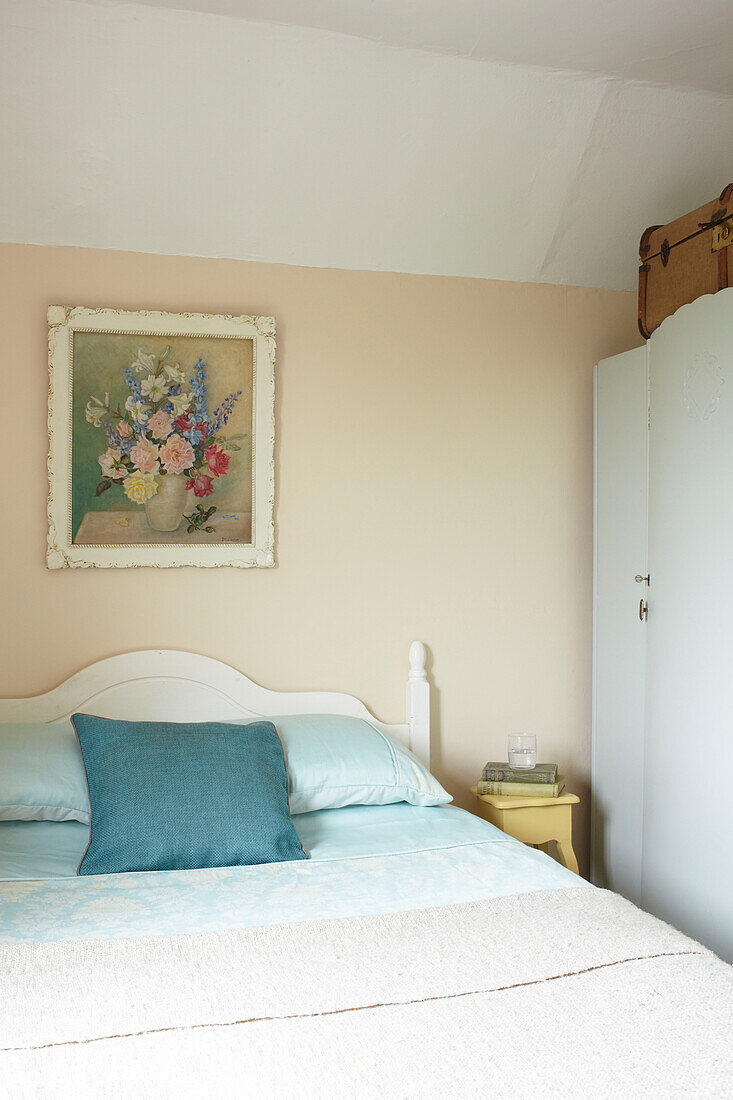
{"type": "Point", "coordinates": [684, 259]}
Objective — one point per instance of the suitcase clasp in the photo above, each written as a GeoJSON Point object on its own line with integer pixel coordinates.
{"type": "Point", "coordinates": [722, 235]}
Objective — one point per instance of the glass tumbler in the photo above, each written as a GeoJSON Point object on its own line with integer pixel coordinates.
{"type": "Point", "coordinates": [522, 750]}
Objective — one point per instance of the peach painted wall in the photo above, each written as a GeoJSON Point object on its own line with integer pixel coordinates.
{"type": "Point", "coordinates": [434, 481]}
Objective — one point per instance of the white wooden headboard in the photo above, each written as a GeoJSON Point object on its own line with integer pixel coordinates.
{"type": "Point", "coordinates": [170, 685]}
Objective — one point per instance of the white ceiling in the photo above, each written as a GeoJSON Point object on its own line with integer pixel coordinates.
{"type": "Point", "coordinates": [158, 130]}
{"type": "Point", "coordinates": [678, 42]}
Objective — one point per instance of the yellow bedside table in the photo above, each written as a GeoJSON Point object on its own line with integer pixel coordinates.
{"type": "Point", "coordinates": [533, 820]}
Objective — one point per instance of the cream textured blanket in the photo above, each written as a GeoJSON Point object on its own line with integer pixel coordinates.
{"type": "Point", "coordinates": [562, 993]}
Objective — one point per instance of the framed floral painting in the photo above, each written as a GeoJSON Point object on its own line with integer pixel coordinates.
{"type": "Point", "coordinates": [161, 439]}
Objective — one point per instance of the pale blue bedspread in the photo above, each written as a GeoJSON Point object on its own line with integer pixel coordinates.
{"type": "Point", "coordinates": [363, 860]}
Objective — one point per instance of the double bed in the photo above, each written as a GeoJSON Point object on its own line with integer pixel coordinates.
{"type": "Point", "coordinates": [417, 951]}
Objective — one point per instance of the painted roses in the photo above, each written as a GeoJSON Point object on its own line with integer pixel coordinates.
{"type": "Point", "coordinates": [177, 454]}
{"type": "Point", "coordinates": [145, 455]}
{"type": "Point", "coordinates": [202, 485]}
{"type": "Point", "coordinates": [140, 487]}
{"type": "Point", "coordinates": [163, 428]}
{"type": "Point", "coordinates": [111, 464]}
{"type": "Point", "coordinates": [216, 460]}
{"type": "Point", "coordinates": [160, 425]}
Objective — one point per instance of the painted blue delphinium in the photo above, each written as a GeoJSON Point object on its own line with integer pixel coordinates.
{"type": "Point", "coordinates": [224, 411]}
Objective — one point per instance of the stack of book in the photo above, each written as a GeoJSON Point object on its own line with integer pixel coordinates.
{"type": "Point", "coordinates": [541, 781]}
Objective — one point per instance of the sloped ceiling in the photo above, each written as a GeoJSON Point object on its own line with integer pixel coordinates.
{"type": "Point", "coordinates": [160, 130]}
{"type": "Point", "coordinates": [676, 42]}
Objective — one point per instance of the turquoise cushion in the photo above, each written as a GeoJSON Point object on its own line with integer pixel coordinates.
{"type": "Point", "coordinates": [168, 796]}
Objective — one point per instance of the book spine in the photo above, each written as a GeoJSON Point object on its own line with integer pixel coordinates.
{"type": "Point", "coordinates": [530, 790]}
{"type": "Point", "coordinates": [493, 774]}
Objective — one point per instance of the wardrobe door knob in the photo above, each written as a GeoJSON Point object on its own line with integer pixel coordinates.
{"type": "Point", "coordinates": [643, 610]}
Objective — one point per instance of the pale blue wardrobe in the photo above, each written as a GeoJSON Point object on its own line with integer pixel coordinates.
{"type": "Point", "coordinates": [662, 817]}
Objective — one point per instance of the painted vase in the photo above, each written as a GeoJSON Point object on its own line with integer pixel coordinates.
{"type": "Point", "coordinates": [164, 511]}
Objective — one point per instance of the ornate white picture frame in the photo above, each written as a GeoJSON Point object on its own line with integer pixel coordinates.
{"type": "Point", "coordinates": [161, 432]}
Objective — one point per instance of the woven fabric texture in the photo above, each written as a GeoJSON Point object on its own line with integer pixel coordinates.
{"type": "Point", "coordinates": [172, 796]}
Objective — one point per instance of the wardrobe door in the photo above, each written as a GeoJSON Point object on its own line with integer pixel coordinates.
{"type": "Point", "coordinates": [621, 440]}
{"type": "Point", "coordinates": [687, 871]}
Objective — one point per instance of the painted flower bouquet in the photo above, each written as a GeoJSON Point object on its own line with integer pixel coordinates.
{"type": "Point", "coordinates": [164, 441]}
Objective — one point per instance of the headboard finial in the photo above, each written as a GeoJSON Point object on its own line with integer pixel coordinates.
{"type": "Point", "coordinates": [418, 660]}
{"type": "Point", "coordinates": [418, 703]}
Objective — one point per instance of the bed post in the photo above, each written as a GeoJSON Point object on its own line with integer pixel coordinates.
{"type": "Point", "coordinates": [418, 704]}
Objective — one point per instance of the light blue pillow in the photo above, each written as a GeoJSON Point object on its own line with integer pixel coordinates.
{"type": "Point", "coordinates": [41, 774]}
{"type": "Point", "coordinates": [332, 761]}
{"type": "Point", "coordinates": [335, 761]}
{"type": "Point", "coordinates": [170, 796]}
